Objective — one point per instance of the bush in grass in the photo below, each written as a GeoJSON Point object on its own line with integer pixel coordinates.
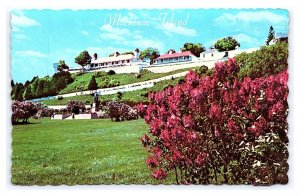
{"type": "Point", "coordinates": [100, 74]}
{"type": "Point", "coordinates": [120, 111]}
{"type": "Point", "coordinates": [219, 129]}
{"type": "Point", "coordinates": [267, 61]}
{"type": "Point", "coordinates": [111, 72]}
{"type": "Point", "coordinates": [22, 111]}
{"type": "Point", "coordinates": [141, 109]}
{"type": "Point", "coordinates": [92, 84]}
{"type": "Point", "coordinates": [60, 97]}
{"type": "Point", "coordinates": [75, 106]}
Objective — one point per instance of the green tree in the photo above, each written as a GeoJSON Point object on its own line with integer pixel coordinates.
{"type": "Point", "coordinates": [150, 53]}
{"type": "Point", "coordinates": [28, 93]}
{"type": "Point", "coordinates": [226, 44]}
{"type": "Point", "coordinates": [83, 59]}
{"type": "Point", "coordinates": [62, 65]}
{"type": "Point", "coordinates": [195, 48]}
{"type": "Point", "coordinates": [17, 92]}
{"type": "Point", "coordinates": [40, 88]}
{"type": "Point", "coordinates": [93, 84]}
{"type": "Point", "coordinates": [128, 52]}
{"type": "Point", "coordinates": [171, 51]}
{"type": "Point", "coordinates": [12, 83]}
{"type": "Point", "coordinates": [271, 35]}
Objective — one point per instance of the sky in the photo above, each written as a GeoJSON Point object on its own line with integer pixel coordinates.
{"type": "Point", "coordinates": [40, 38]}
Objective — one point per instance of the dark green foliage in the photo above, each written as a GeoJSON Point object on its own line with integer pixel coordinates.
{"type": "Point", "coordinates": [93, 84]}
{"type": "Point", "coordinates": [267, 61]}
{"type": "Point", "coordinates": [128, 52]}
{"type": "Point", "coordinates": [62, 65]}
{"type": "Point", "coordinates": [100, 74]}
{"type": "Point", "coordinates": [195, 48]}
{"type": "Point", "coordinates": [149, 53]}
{"type": "Point", "coordinates": [28, 93]}
{"type": "Point", "coordinates": [12, 83]}
{"type": "Point", "coordinates": [119, 95]}
{"type": "Point", "coordinates": [226, 44]}
{"type": "Point", "coordinates": [83, 59]}
{"type": "Point", "coordinates": [60, 98]}
{"type": "Point", "coordinates": [271, 35]}
{"type": "Point", "coordinates": [111, 72]}
{"type": "Point", "coordinates": [17, 92]}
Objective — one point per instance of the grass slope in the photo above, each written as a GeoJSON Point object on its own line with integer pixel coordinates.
{"type": "Point", "coordinates": [82, 81]}
{"type": "Point", "coordinates": [132, 96]}
{"type": "Point", "coordinates": [80, 152]}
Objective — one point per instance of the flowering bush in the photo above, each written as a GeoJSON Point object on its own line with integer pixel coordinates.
{"type": "Point", "coordinates": [75, 106]}
{"type": "Point", "coordinates": [218, 129]}
{"type": "Point", "coordinates": [22, 110]}
{"type": "Point", "coordinates": [141, 109]}
{"type": "Point", "coordinates": [121, 111]}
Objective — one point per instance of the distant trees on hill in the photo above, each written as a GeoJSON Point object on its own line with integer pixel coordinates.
{"type": "Point", "coordinates": [271, 35]}
{"type": "Point", "coordinates": [195, 48]}
{"type": "Point", "coordinates": [150, 53]}
{"type": "Point", "coordinates": [62, 66]}
{"type": "Point", "coordinates": [83, 59]}
{"type": "Point", "coordinates": [41, 87]}
{"type": "Point", "coordinates": [226, 44]}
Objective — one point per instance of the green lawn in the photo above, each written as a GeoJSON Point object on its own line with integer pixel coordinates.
{"type": "Point", "coordinates": [132, 96]}
{"type": "Point", "coordinates": [123, 79]}
{"type": "Point", "coordinates": [80, 152]}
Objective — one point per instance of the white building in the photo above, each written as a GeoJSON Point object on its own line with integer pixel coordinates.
{"type": "Point", "coordinates": [117, 60]}
{"type": "Point", "coordinates": [174, 58]}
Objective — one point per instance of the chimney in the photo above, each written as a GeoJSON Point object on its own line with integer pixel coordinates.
{"type": "Point", "coordinates": [116, 54]}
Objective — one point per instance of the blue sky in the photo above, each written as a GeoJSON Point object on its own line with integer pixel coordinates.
{"type": "Point", "coordinates": [40, 38]}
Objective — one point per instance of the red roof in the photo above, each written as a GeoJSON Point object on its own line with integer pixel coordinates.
{"type": "Point", "coordinates": [177, 54]}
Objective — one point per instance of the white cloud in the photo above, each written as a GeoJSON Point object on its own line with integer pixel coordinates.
{"type": "Point", "coordinates": [113, 33]}
{"type": "Point", "coordinates": [85, 33]}
{"type": "Point", "coordinates": [20, 20]}
{"type": "Point", "coordinates": [251, 16]}
{"type": "Point", "coordinates": [130, 39]}
{"type": "Point", "coordinates": [145, 43]}
{"type": "Point", "coordinates": [243, 38]}
{"type": "Point", "coordinates": [20, 36]}
{"type": "Point", "coordinates": [172, 28]}
{"type": "Point", "coordinates": [31, 53]}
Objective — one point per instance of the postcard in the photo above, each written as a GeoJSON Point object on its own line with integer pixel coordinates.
{"type": "Point", "coordinates": [149, 96]}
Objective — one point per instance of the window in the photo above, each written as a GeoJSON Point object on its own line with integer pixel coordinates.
{"type": "Point", "coordinates": [127, 61]}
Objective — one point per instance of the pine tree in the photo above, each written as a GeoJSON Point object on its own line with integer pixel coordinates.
{"type": "Point", "coordinates": [92, 84]}
{"type": "Point", "coordinates": [28, 93]}
{"type": "Point", "coordinates": [271, 35]}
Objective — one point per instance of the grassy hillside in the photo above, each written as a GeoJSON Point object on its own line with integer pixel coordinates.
{"type": "Point", "coordinates": [80, 152]}
{"type": "Point", "coordinates": [132, 96]}
{"type": "Point", "coordinates": [82, 81]}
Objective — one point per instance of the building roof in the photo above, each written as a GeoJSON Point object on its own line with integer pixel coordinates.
{"type": "Point", "coordinates": [177, 54]}
{"type": "Point", "coordinates": [113, 58]}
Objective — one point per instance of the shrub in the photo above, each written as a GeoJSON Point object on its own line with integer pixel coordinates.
{"type": "Point", "coordinates": [269, 60]}
{"type": "Point", "coordinates": [60, 97]}
{"type": "Point", "coordinates": [111, 72]}
{"type": "Point", "coordinates": [141, 109]}
{"type": "Point", "coordinates": [75, 106]}
{"type": "Point", "coordinates": [120, 111]}
{"type": "Point", "coordinates": [100, 74]}
{"type": "Point", "coordinates": [22, 111]}
{"type": "Point", "coordinates": [220, 130]}
{"type": "Point", "coordinates": [92, 84]}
